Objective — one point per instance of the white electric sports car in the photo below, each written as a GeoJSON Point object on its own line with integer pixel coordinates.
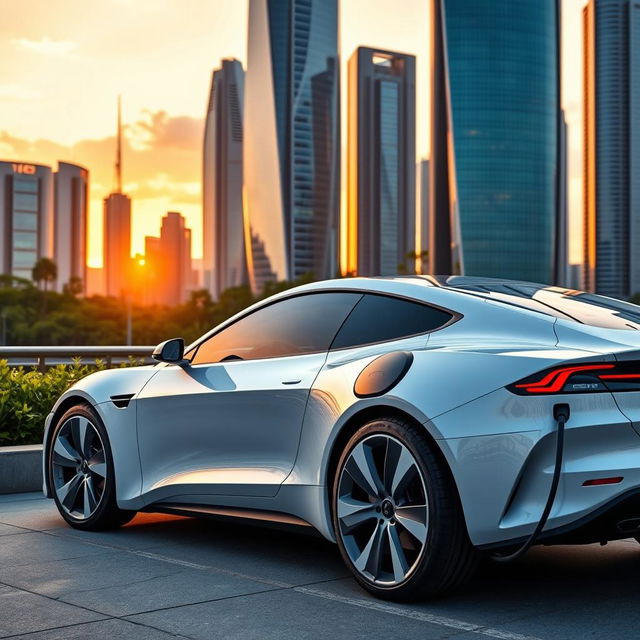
{"type": "Point", "coordinates": [415, 421]}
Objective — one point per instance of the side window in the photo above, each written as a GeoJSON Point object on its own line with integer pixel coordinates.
{"type": "Point", "coordinates": [377, 318]}
{"type": "Point", "coordinates": [303, 324]}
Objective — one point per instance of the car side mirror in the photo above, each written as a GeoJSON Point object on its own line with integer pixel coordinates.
{"type": "Point", "coordinates": [170, 351]}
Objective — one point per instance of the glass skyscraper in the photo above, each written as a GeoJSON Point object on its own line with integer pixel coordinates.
{"type": "Point", "coordinates": [612, 147]}
{"type": "Point", "coordinates": [495, 134]}
{"type": "Point", "coordinates": [381, 155]}
{"type": "Point", "coordinates": [43, 214]}
{"type": "Point", "coordinates": [26, 217]}
{"type": "Point", "coordinates": [291, 137]}
{"type": "Point", "coordinates": [224, 256]}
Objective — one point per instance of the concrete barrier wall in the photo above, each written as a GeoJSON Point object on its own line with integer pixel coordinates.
{"type": "Point", "coordinates": [21, 468]}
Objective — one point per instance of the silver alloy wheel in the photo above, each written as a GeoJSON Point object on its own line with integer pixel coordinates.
{"type": "Point", "coordinates": [382, 510]}
{"type": "Point", "coordinates": [79, 467]}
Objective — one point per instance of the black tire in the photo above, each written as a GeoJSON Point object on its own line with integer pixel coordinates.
{"type": "Point", "coordinates": [447, 559]}
{"type": "Point", "coordinates": [106, 514]}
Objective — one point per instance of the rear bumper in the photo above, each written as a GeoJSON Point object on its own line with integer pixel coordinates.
{"type": "Point", "coordinates": [617, 519]}
{"type": "Point", "coordinates": [503, 478]}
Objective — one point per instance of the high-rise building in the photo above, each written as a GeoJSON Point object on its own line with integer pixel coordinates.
{"type": "Point", "coordinates": [423, 209]}
{"type": "Point", "coordinates": [224, 259]}
{"type": "Point", "coordinates": [291, 138]}
{"type": "Point", "coordinates": [117, 244]}
{"type": "Point", "coordinates": [381, 184]}
{"type": "Point", "coordinates": [43, 215]}
{"type": "Point", "coordinates": [117, 231]}
{"type": "Point", "coordinates": [95, 285]}
{"type": "Point", "coordinates": [574, 276]}
{"type": "Point", "coordinates": [612, 147]}
{"type": "Point", "coordinates": [26, 216]}
{"type": "Point", "coordinates": [70, 233]}
{"type": "Point", "coordinates": [562, 218]}
{"type": "Point", "coordinates": [495, 130]}
{"type": "Point", "coordinates": [155, 265]}
{"type": "Point", "coordinates": [168, 275]}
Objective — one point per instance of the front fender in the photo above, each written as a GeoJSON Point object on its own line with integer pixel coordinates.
{"type": "Point", "coordinates": [101, 385]}
{"type": "Point", "coordinates": [120, 423]}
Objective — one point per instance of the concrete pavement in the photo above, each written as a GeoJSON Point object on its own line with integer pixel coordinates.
{"type": "Point", "coordinates": [168, 577]}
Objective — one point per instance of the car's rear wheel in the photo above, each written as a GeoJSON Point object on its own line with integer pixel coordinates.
{"type": "Point", "coordinates": [81, 475]}
{"type": "Point", "coordinates": [397, 516]}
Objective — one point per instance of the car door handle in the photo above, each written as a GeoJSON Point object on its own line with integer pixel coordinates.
{"type": "Point", "coordinates": [291, 381]}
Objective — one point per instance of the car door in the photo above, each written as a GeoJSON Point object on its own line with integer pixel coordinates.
{"type": "Point", "coordinates": [229, 423]}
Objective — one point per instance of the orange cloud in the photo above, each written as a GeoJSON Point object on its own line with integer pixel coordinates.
{"type": "Point", "coordinates": [158, 129]}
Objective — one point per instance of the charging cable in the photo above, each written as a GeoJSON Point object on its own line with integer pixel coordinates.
{"type": "Point", "coordinates": [561, 413]}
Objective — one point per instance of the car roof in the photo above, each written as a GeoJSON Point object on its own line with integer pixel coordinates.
{"type": "Point", "coordinates": [462, 294]}
{"type": "Point", "coordinates": [447, 281]}
{"type": "Point", "coordinates": [567, 304]}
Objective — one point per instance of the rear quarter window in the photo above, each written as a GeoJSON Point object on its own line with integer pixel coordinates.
{"type": "Point", "coordinates": [379, 318]}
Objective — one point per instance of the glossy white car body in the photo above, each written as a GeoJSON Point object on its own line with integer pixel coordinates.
{"type": "Point", "coordinates": [261, 436]}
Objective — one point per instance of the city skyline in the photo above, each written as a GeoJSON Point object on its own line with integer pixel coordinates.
{"type": "Point", "coordinates": [167, 138]}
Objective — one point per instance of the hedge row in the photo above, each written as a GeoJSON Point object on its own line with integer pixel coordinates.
{"type": "Point", "coordinates": [27, 395]}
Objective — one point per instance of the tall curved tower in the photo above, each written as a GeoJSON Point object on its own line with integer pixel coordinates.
{"type": "Point", "coordinates": [292, 138]}
{"type": "Point", "coordinates": [495, 136]}
{"type": "Point", "coordinates": [224, 259]}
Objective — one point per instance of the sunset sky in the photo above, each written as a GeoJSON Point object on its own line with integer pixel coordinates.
{"type": "Point", "coordinates": [64, 63]}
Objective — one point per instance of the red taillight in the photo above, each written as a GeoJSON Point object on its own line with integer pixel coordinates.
{"type": "Point", "coordinates": [585, 378]}
{"type": "Point", "coordinates": [555, 380]}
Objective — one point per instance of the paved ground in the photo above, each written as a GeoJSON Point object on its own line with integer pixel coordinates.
{"type": "Point", "coordinates": [165, 577]}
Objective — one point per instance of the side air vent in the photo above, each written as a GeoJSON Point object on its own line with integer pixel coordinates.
{"type": "Point", "coordinates": [122, 402]}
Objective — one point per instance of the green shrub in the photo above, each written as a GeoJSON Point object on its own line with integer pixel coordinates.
{"type": "Point", "coordinates": [27, 396]}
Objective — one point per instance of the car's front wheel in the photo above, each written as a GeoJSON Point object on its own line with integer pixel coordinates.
{"type": "Point", "coordinates": [81, 475]}
{"type": "Point", "coordinates": [397, 516]}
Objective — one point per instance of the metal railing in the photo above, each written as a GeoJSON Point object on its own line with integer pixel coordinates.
{"type": "Point", "coordinates": [42, 357]}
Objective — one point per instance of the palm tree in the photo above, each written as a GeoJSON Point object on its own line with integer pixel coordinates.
{"type": "Point", "coordinates": [44, 270]}
{"type": "Point", "coordinates": [74, 287]}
